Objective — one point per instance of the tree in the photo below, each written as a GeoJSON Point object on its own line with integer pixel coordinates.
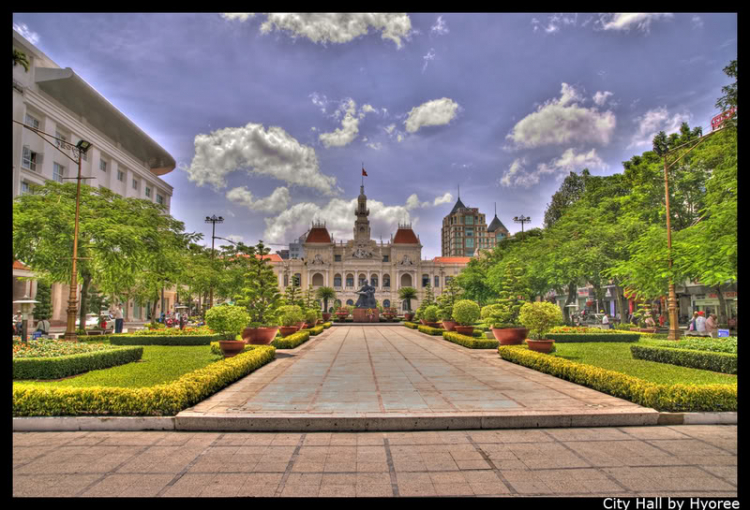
{"type": "Point", "coordinates": [325, 293]}
{"type": "Point", "coordinates": [571, 190]}
{"type": "Point", "coordinates": [293, 295]}
{"type": "Point", "coordinates": [260, 294]}
{"type": "Point", "coordinates": [43, 309]}
{"type": "Point", "coordinates": [729, 99]}
{"type": "Point", "coordinates": [452, 293]}
{"type": "Point", "coordinates": [20, 57]}
{"type": "Point", "coordinates": [407, 294]}
{"type": "Point", "coordinates": [473, 281]}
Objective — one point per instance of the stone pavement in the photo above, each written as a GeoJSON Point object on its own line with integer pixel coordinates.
{"type": "Point", "coordinates": [685, 460]}
{"type": "Point", "coordinates": [378, 372]}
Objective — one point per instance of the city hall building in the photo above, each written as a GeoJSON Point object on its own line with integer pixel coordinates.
{"type": "Point", "coordinates": [345, 265]}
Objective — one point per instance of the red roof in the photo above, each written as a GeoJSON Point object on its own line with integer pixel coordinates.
{"type": "Point", "coordinates": [18, 265]}
{"type": "Point", "coordinates": [405, 236]}
{"type": "Point", "coordinates": [452, 260]}
{"type": "Point", "coordinates": [273, 257]}
{"type": "Point", "coordinates": [318, 235]}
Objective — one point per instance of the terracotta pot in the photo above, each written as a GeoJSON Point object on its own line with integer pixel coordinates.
{"type": "Point", "coordinates": [408, 316]}
{"type": "Point", "coordinates": [231, 348]}
{"type": "Point", "coordinates": [300, 325]}
{"type": "Point", "coordinates": [326, 317]}
{"type": "Point", "coordinates": [449, 325]}
{"type": "Point", "coordinates": [464, 330]}
{"type": "Point", "coordinates": [647, 330]}
{"type": "Point", "coordinates": [510, 336]}
{"type": "Point", "coordinates": [543, 346]}
{"type": "Point", "coordinates": [259, 336]}
{"type": "Point", "coordinates": [287, 330]}
{"type": "Point", "coordinates": [433, 324]}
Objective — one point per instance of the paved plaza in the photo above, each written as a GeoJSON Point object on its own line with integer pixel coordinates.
{"type": "Point", "coordinates": [685, 460]}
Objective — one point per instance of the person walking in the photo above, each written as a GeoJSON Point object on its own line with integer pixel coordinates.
{"type": "Point", "coordinates": [605, 322]}
{"type": "Point", "coordinates": [700, 324]}
{"type": "Point", "coordinates": [117, 312]}
{"type": "Point", "coordinates": [692, 328]}
{"type": "Point", "coordinates": [712, 326]}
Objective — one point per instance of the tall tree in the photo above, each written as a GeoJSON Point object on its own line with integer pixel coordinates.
{"type": "Point", "coordinates": [43, 309]}
{"type": "Point", "coordinates": [571, 190]}
{"type": "Point", "coordinates": [729, 99]}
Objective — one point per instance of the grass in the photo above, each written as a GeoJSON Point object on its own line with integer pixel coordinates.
{"type": "Point", "coordinates": [616, 356]}
{"type": "Point", "coordinates": [160, 364]}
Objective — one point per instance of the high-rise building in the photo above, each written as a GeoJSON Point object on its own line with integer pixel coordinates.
{"type": "Point", "coordinates": [465, 231]}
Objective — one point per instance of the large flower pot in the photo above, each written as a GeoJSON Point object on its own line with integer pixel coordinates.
{"type": "Point", "coordinates": [326, 317]}
{"type": "Point", "coordinates": [408, 316]}
{"type": "Point", "coordinates": [310, 325]}
{"type": "Point", "coordinates": [287, 330]}
{"type": "Point", "coordinates": [647, 330]}
{"type": "Point", "coordinates": [433, 324]}
{"type": "Point", "coordinates": [543, 346]}
{"type": "Point", "coordinates": [423, 322]}
{"type": "Point", "coordinates": [259, 336]}
{"type": "Point", "coordinates": [465, 330]}
{"type": "Point", "coordinates": [231, 348]}
{"type": "Point", "coordinates": [449, 325]}
{"type": "Point", "coordinates": [300, 325]}
{"type": "Point", "coordinates": [510, 336]}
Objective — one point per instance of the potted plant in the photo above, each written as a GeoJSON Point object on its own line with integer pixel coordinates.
{"type": "Point", "coordinates": [539, 318]}
{"type": "Point", "coordinates": [502, 317]}
{"type": "Point", "coordinates": [450, 296]}
{"type": "Point", "coordinates": [342, 313]}
{"type": "Point", "coordinates": [407, 294]}
{"type": "Point", "coordinates": [289, 317]}
{"type": "Point", "coordinates": [465, 313]}
{"type": "Point", "coordinates": [325, 293]}
{"type": "Point", "coordinates": [228, 321]}
{"type": "Point", "coordinates": [260, 297]}
{"type": "Point", "coordinates": [311, 318]}
{"type": "Point", "coordinates": [431, 316]}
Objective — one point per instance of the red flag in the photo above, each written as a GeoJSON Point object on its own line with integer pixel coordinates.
{"type": "Point", "coordinates": [364, 174]}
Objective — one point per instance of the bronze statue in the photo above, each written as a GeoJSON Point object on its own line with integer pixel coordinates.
{"type": "Point", "coordinates": [366, 296]}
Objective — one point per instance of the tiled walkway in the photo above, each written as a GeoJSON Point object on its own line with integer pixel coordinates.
{"type": "Point", "coordinates": [397, 370]}
{"type": "Point", "coordinates": [687, 460]}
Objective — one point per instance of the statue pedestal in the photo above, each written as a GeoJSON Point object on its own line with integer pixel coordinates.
{"type": "Point", "coordinates": [361, 315]}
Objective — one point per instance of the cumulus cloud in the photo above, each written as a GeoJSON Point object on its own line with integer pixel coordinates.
{"type": "Point", "coordinates": [23, 29]}
{"type": "Point", "coordinates": [432, 113]}
{"type": "Point", "coordinates": [515, 170]}
{"type": "Point", "coordinates": [564, 121]}
{"type": "Point", "coordinates": [569, 161]}
{"type": "Point", "coordinates": [655, 120]}
{"type": "Point", "coordinates": [368, 108]}
{"type": "Point", "coordinates": [601, 97]}
{"type": "Point", "coordinates": [347, 132]}
{"type": "Point", "coordinates": [333, 27]}
{"type": "Point", "coordinates": [390, 128]}
{"type": "Point", "coordinates": [445, 199]}
{"type": "Point", "coordinates": [274, 203]}
{"type": "Point", "coordinates": [440, 27]}
{"type": "Point", "coordinates": [271, 152]}
{"type": "Point", "coordinates": [628, 20]}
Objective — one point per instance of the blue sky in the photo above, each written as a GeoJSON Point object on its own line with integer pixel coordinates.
{"type": "Point", "coordinates": [270, 117]}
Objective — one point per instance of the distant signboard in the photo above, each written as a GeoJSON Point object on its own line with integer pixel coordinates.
{"type": "Point", "coordinates": [717, 121]}
{"type": "Point", "coordinates": [723, 332]}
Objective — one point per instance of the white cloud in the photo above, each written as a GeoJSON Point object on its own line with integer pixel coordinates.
{"type": "Point", "coordinates": [368, 108]}
{"type": "Point", "coordinates": [23, 29]}
{"type": "Point", "coordinates": [432, 113]}
{"type": "Point", "coordinates": [445, 199]}
{"type": "Point", "coordinates": [428, 58]}
{"type": "Point", "coordinates": [390, 128]}
{"type": "Point", "coordinates": [334, 27]}
{"type": "Point", "coordinates": [274, 203]}
{"type": "Point", "coordinates": [697, 21]}
{"type": "Point", "coordinates": [564, 121]}
{"type": "Point", "coordinates": [439, 28]}
{"type": "Point", "coordinates": [320, 100]}
{"type": "Point", "coordinates": [400, 138]}
{"type": "Point", "coordinates": [375, 145]}
{"type": "Point", "coordinates": [655, 120]}
{"type": "Point", "coordinates": [238, 16]}
{"type": "Point", "coordinates": [569, 161]}
{"type": "Point", "coordinates": [555, 21]}
{"type": "Point", "coordinates": [627, 20]}
{"type": "Point", "coordinates": [347, 132]}
{"type": "Point", "coordinates": [515, 172]}
{"type": "Point", "coordinates": [601, 97]}
{"type": "Point", "coordinates": [273, 152]}
{"type": "Point", "coordinates": [413, 202]}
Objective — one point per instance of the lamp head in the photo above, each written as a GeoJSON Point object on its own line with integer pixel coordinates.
{"type": "Point", "coordinates": [83, 146]}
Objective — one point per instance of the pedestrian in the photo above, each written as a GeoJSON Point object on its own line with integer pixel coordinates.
{"type": "Point", "coordinates": [117, 312]}
{"type": "Point", "coordinates": [650, 322]}
{"type": "Point", "coordinates": [700, 324]}
{"type": "Point", "coordinates": [732, 323]}
{"type": "Point", "coordinates": [605, 322]}
{"type": "Point", "coordinates": [692, 329]}
{"type": "Point", "coordinates": [712, 326]}
{"type": "Point", "coordinates": [162, 317]}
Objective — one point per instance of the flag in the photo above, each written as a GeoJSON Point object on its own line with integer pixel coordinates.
{"type": "Point", "coordinates": [364, 174]}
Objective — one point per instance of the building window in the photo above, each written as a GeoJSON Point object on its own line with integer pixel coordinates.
{"type": "Point", "coordinates": [386, 281]}
{"type": "Point", "coordinates": [25, 188]}
{"type": "Point", "coordinates": [437, 282]}
{"type": "Point", "coordinates": [337, 258]}
{"type": "Point", "coordinates": [297, 279]}
{"type": "Point", "coordinates": [148, 192]}
{"type": "Point", "coordinates": [448, 280]}
{"type": "Point", "coordinates": [120, 175]}
{"type": "Point", "coordinates": [31, 121]}
{"type": "Point", "coordinates": [425, 280]}
{"type": "Point", "coordinates": [337, 280]}
{"type": "Point", "coordinates": [159, 199]}
{"type": "Point", "coordinates": [349, 302]}
{"type": "Point", "coordinates": [350, 280]}
{"type": "Point", "coordinates": [61, 139]}
{"type": "Point", "coordinates": [102, 165]}
{"type": "Point", "coordinates": [58, 172]}
{"type": "Point", "coordinates": [30, 159]}
{"type": "Point", "coordinates": [386, 303]}
{"type": "Point", "coordinates": [374, 280]}
{"type": "Point", "coordinates": [469, 220]}
{"type": "Point", "coordinates": [135, 184]}
{"type": "Point", "coordinates": [469, 243]}
{"type": "Point", "coordinates": [361, 280]}
{"type": "Point", "coordinates": [385, 258]}
{"type": "Point", "coordinates": [469, 232]}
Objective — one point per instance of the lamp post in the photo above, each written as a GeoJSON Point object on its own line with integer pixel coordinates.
{"type": "Point", "coordinates": [78, 151]}
{"type": "Point", "coordinates": [27, 305]}
{"type": "Point", "coordinates": [213, 220]}
{"type": "Point", "coordinates": [522, 219]}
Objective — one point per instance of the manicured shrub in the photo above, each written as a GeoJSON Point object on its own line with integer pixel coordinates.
{"type": "Point", "coordinates": [430, 330]}
{"type": "Point", "coordinates": [430, 313]}
{"type": "Point", "coordinates": [705, 360]}
{"type": "Point", "coordinates": [227, 320]}
{"type": "Point", "coordinates": [327, 325]}
{"type": "Point", "coordinates": [594, 337]}
{"type": "Point", "coordinates": [136, 339]}
{"type": "Point", "coordinates": [728, 344]}
{"type": "Point", "coordinates": [316, 330]}
{"type": "Point", "coordinates": [216, 349]}
{"type": "Point", "coordinates": [466, 312]}
{"type": "Point", "coordinates": [539, 318]}
{"type": "Point", "coordinates": [412, 325]}
{"type": "Point", "coordinates": [290, 315]}
{"type": "Point", "coordinates": [292, 341]}
{"type": "Point", "coordinates": [64, 366]}
{"type": "Point", "coordinates": [311, 316]}
{"type": "Point", "coordinates": [470, 342]}
{"type": "Point", "coordinates": [663, 397]}
{"type": "Point", "coordinates": [161, 400]}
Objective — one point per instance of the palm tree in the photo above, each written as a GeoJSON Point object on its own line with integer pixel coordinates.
{"type": "Point", "coordinates": [325, 293]}
{"type": "Point", "coordinates": [20, 57]}
{"type": "Point", "coordinates": [407, 293]}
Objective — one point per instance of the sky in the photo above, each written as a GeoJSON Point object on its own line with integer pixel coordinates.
{"type": "Point", "coordinates": [271, 117]}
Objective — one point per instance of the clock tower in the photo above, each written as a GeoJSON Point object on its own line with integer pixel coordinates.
{"type": "Point", "coordinates": [362, 225]}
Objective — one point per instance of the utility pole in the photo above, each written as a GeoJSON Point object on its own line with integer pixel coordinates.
{"type": "Point", "coordinates": [213, 220]}
{"type": "Point", "coordinates": [521, 219]}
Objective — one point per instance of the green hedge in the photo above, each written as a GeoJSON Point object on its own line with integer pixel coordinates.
{"type": "Point", "coordinates": [162, 340]}
{"type": "Point", "coordinates": [593, 337]}
{"type": "Point", "coordinates": [430, 330]}
{"type": "Point", "coordinates": [411, 325]}
{"type": "Point", "coordinates": [161, 400]}
{"type": "Point", "coordinates": [327, 325]}
{"type": "Point", "coordinates": [663, 397]}
{"type": "Point", "coordinates": [64, 366]}
{"type": "Point", "coordinates": [705, 360]}
{"type": "Point", "coordinates": [293, 340]}
{"type": "Point", "coordinates": [215, 349]}
{"type": "Point", "coordinates": [316, 330]}
{"type": "Point", "coordinates": [470, 342]}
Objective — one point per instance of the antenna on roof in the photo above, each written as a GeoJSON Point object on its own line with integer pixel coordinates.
{"type": "Point", "coordinates": [495, 208]}
{"type": "Point", "coordinates": [459, 192]}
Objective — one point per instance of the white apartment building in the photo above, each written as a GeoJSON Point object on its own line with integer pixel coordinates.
{"type": "Point", "coordinates": [122, 158]}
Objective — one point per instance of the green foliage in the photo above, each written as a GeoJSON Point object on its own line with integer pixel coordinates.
{"type": "Point", "coordinates": [292, 341]}
{"type": "Point", "coordinates": [571, 190]}
{"type": "Point", "coordinates": [663, 397]}
{"type": "Point", "coordinates": [729, 99]}
{"type": "Point", "coordinates": [728, 344]}
{"type": "Point", "coordinates": [539, 318]}
{"type": "Point", "coordinates": [407, 294]}
{"type": "Point", "coordinates": [316, 330]}
{"type": "Point", "coordinates": [43, 309]}
{"type": "Point", "coordinates": [452, 293]}
{"type": "Point", "coordinates": [431, 313]}
{"type": "Point", "coordinates": [714, 361]}
{"type": "Point", "coordinates": [65, 366]}
{"type": "Point", "coordinates": [161, 400]}
{"type": "Point", "coordinates": [325, 293]}
{"type": "Point", "coordinates": [311, 316]}
{"type": "Point", "coordinates": [260, 295]}
{"type": "Point", "coordinates": [593, 337]}
{"type": "Point", "coordinates": [19, 57]}
{"type": "Point", "coordinates": [467, 341]}
{"type": "Point", "coordinates": [227, 320]}
{"type": "Point", "coordinates": [410, 325]}
{"type": "Point", "coordinates": [428, 330]}
{"type": "Point", "coordinates": [474, 283]}
{"type": "Point", "coordinates": [290, 315]}
{"type": "Point", "coordinates": [509, 279]}
{"type": "Point", "coordinates": [183, 340]}
{"type": "Point", "coordinates": [466, 312]}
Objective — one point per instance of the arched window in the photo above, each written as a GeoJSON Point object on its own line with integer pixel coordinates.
{"type": "Point", "coordinates": [337, 303]}
{"type": "Point", "coordinates": [350, 280]}
{"type": "Point", "coordinates": [349, 302]}
{"type": "Point", "coordinates": [386, 281]}
{"type": "Point", "coordinates": [297, 279]}
{"type": "Point", "coordinates": [317, 280]}
{"type": "Point", "coordinates": [386, 303]}
{"type": "Point", "coordinates": [337, 280]}
{"type": "Point", "coordinates": [425, 280]}
{"type": "Point", "coordinates": [374, 280]}
{"type": "Point", "coordinates": [361, 279]}
{"type": "Point", "coordinates": [437, 282]}
{"type": "Point", "coordinates": [406, 280]}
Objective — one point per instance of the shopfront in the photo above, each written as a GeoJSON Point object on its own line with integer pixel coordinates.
{"type": "Point", "coordinates": [709, 303]}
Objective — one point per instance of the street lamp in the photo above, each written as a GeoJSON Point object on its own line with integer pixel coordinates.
{"type": "Point", "coordinates": [78, 150]}
{"type": "Point", "coordinates": [214, 220]}
{"type": "Point", "coordinates": [27, 305]}
{"type": "Point", "coordinates": [522, 219]}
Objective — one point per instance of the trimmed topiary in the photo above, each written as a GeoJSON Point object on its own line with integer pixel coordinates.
{"type": "Point", "coordinates": [466, 312]}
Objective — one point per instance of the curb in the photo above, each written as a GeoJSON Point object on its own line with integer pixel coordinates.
{"type": "Point", "coordinates": [93, 423]}
{"type": "Point", "coordinates": [723, 418]}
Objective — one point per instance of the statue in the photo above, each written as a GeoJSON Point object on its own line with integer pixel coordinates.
{"type": "Point", "coordinates": [366, 296]}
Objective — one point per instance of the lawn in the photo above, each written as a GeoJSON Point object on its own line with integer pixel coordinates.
{"type": "Point", "coordinates": [160, 364]}
{"type": "Point", "coordinates": [616, 356]}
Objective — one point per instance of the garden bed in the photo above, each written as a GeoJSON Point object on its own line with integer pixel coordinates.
{"type": "Point", "coordinates": [293, 340]}
{"type": "Point", "coordinates": [470, 342]}
{"type": "Point", "coordinates": [705, 360]}
{"type": "Point", "coordinates": [59, 366]}
{"type": "Point", "coordinates": [137, 339]}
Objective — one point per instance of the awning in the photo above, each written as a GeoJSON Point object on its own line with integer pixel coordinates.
{"type": "Point", "coordinates": [78, 96]}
